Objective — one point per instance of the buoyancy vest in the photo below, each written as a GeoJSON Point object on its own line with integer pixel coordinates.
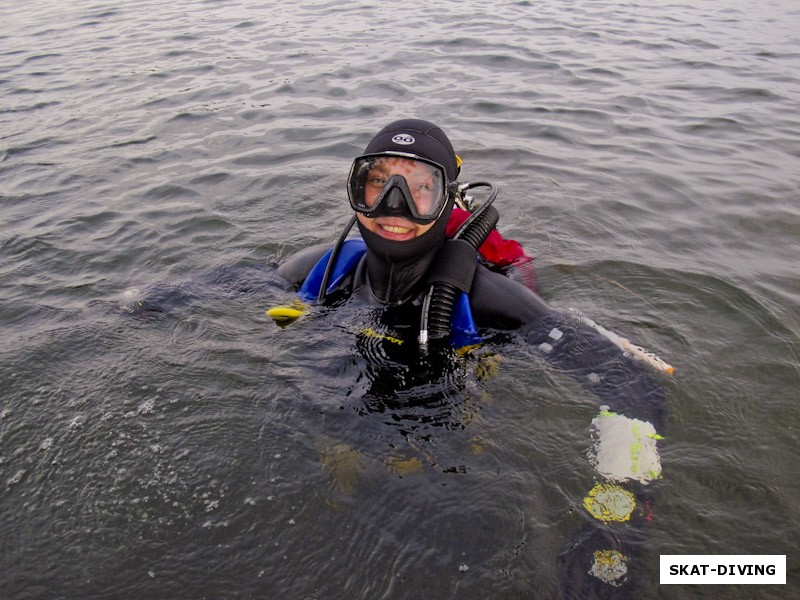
{"type": "Point", "coordinates": [463, 331]}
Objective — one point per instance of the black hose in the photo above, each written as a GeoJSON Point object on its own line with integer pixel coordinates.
{"type": "Point", "coordinates": [323, 288]}
{"type": "Point", "coordinates": [440, 310]}
{"type": "Point", "coordinates": [437, 310]}
{"type": "Point", "coordinates": [479, 230]}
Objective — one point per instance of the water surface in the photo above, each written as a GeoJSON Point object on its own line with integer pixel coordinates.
{"type": "Point", "coordinates": [647, 154]}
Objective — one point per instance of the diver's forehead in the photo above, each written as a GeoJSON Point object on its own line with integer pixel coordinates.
{"type": "Point", "coordinates": [396, 164]}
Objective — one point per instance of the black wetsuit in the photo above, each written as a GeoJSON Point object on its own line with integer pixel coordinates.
{"type": "Point", "coordinates": [625, 385]}
{"type": "Point", "coordinates": [498, 302]}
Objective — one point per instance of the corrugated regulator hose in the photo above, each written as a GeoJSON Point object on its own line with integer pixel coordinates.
{"type": "Point", "coordinates": [437, 308]}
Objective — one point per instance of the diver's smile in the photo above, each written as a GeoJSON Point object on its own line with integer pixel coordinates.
{"type": "Point", "coordinates": [394, 228]}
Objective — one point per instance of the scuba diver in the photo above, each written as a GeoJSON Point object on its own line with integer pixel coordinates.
{"type": "Point", "coordinates": [404, 191]}
{"type": "Point", "coordinates": [433, 263]}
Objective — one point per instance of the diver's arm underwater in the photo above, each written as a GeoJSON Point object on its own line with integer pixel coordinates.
{"type": "Point", "coordinates": [624, 434]}
{"type": "Point", "coordinates": [623, 383]}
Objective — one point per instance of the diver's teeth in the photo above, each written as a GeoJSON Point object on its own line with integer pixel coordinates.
{"type": "Point", "coordinates": [392, 229]}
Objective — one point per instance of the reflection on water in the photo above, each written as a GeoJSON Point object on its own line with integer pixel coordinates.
{"type": "Point", "coordinates": [160, 437]}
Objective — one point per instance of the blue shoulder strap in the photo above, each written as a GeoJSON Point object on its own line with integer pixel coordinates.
{"type": "Point", "coordinates": [349, 255]}
{"type": "Point", "coordinates": [463, 331]}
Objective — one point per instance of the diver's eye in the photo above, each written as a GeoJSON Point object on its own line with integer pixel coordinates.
{"type": "Point", "coordinates": [377, 180]}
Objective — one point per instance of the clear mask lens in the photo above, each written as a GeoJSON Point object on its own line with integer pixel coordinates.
{"type": "Point", "coordinates": [384, 185]}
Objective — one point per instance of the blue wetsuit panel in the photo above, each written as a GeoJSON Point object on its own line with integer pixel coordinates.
{"type": "Point", "coordinates": [350, 253]}
{"type": "Point", "coordinates": [463, 331]}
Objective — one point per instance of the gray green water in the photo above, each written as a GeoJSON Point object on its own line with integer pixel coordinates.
{"type": "Point", "coordinates": [647, 154]}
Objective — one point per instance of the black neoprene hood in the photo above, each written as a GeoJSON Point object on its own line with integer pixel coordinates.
{"type": "Point", "coordinates": [416, 136]}
{"type": "Point", "coordinates": [397, 269]}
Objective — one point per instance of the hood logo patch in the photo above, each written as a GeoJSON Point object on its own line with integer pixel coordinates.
{"type": "Point", "coordinates": [403, 139]}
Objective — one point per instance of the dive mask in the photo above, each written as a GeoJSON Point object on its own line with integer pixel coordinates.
{"type": "Point", "coordinates": [398, 184]}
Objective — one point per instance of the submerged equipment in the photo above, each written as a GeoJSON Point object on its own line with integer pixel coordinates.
{"type": "Point", "coordinates": [624, 448]}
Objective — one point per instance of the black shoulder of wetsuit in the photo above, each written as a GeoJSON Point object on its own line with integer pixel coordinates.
{"type": "Point", "coordinates": [502, 303]}
{"type": "Point", "coordinates": [623, 383]}
{"type": "Point", "coordinates": [298, 266]}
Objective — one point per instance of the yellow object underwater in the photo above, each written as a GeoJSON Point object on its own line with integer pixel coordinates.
{"type": "Point", "coordinates": [343, 464]}
{"type": "Point", "coordinates": [280, 313]}
{"type": "Point", "coordinates": [609, 502]}
{"type": "Point", "coordinates": [370, 332]}
{"type": "Point", "coordinates": [609, 566]}
{"type": "Point", "coordinates": [283, 315]}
